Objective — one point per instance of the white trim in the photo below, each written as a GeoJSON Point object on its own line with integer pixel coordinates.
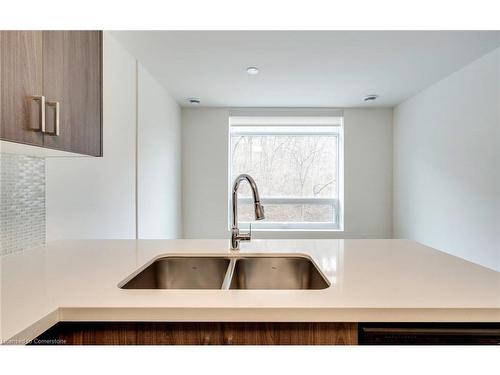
{"type": "Point", "coordinates": [340, 177]}
{"type": "Point", "coordinates": [285, 121]}
{"type": "Point", "coordinates": [242, 131]}
{"type": "Point", "coordinates": [136, 149]}
{"type": "Point", "coordinates": [289, 200]}
{"type": "Point", "coordinates": [297, 226]}
{"type": "Point", "coordinates": [303, 225]}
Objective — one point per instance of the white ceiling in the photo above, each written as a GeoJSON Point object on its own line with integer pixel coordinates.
{"type": "Point", "coordinates": [303, 68]}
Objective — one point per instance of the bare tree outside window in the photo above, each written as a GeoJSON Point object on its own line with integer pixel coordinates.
{"type": "Point", "coordinates": [296, 174]}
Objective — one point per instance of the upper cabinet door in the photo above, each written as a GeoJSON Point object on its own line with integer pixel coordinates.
{"type": "Point", "coordinates": [72, 82]}
{"type": "Point", "coordinates": [21, 107]}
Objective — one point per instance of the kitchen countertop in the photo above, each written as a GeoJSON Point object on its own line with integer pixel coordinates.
{"type": "Point", "coordinates": [371, 281]}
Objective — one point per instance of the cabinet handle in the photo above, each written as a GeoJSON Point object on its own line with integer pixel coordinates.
{"type": "Point", "coordinates": [57, 106]}
{"type": "Point", "coordinates": [41, 112]}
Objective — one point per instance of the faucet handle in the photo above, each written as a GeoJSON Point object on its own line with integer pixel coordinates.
{"type": "Point", "coordinates": [246, 236]}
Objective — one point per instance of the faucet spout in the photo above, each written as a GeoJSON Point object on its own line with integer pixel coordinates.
{"type": "Point", "coordinates": [236, 237]}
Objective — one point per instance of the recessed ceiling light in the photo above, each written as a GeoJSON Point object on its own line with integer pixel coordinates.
{"type": "Point", "coordinates": [371, 97]}
{"type": "Point", "coordinates": [194, 101]}
{"type": "Point", "coordinates": [252, 70]}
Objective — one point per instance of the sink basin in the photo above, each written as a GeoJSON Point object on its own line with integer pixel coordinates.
{"type": "Point", "coordinates": [277, 273]}
{"type": "Point", "coordinates": [231, 272]}
{"type": "Point", "coordinates": [181, 273]}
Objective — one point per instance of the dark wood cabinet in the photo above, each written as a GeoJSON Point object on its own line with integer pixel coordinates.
{"type": "Point", "coordinates": [269, 333]}
{"type": "Point", "coordinates": [21, 78]}
{"type": "Point", "coordinates": [72, 78]}
{"type": "Point", "coordinates": [199, 333]}
{"type": "Point", "coordinates": [65, 68]}
{"type": "Point", "coordinates": [299, 333]}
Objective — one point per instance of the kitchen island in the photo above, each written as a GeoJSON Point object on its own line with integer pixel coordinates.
{"type": "Point", "coordinates": [70, 289]}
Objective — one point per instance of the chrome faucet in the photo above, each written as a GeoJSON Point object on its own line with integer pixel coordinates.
{"type": "Point", "coordinates": [236, 237]}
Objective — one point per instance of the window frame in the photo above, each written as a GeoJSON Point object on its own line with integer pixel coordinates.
{"type": "Point", "coordinates": [336, 224]}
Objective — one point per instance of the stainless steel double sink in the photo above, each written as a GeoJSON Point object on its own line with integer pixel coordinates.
{"type": "Point", "coordinates": [237, 272]}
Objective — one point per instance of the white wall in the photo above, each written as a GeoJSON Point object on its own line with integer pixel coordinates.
{"type": "Point", "coordinates": [159, 156]}
{"type": "Point", "coordinates": [96, 197]}
{"type": "Point", "coordinates": [447, 164]}
{"type": "Point", "coordinates": [368, 175]}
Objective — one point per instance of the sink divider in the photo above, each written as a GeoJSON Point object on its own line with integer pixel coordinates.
{"type": "Point", "coordinates": [229, 274]}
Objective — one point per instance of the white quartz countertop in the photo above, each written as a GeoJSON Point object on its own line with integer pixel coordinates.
{"type": "Point", "coordinates": [371, 281]}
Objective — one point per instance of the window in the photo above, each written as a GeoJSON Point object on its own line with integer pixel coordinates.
{"type": "Point", "coordinates": [297, 164]}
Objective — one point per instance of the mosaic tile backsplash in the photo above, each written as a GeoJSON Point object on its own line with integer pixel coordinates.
{"type": "Point", "coordinates": [22, 202]}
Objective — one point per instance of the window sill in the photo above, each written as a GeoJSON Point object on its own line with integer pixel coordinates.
{"type": "Point", "coordinates": [244, 226]}
{"type": "Point", "coordinates": [295, 230]}
{"type": "Point", "coordinates": [297, 234]}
